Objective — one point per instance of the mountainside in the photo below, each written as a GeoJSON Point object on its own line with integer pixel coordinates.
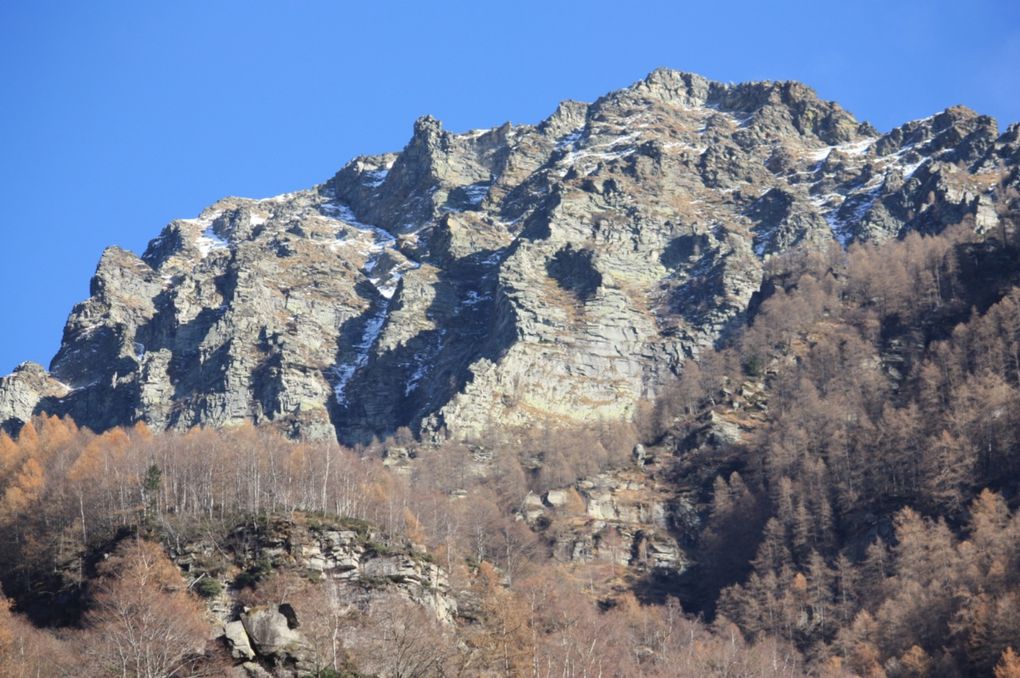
{"type": "Point", "coordinates": [554, 272]}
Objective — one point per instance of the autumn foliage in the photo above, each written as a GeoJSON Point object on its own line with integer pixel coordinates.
{"type": "Point", "coordinates": [863, 522]}
{"type": "Point", "coordinates": [864, 515]}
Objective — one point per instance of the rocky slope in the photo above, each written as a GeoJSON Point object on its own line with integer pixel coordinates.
{"type": "Point", "coordinates": [361, 571]}
{"type": "Point", "coordinates": [511, 276]}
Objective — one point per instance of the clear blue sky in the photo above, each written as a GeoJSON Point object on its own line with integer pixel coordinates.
{"type": "Point", "coordinates": [117, 117]}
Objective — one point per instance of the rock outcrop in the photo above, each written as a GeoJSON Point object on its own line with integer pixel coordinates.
{"type": "Point", "coordinates": [628, 518]}
{"type": "Point", "coordinates": [271, 633]}
{"type": "Point", "coordinates": [351, 558]}
{"type": "Point", "coordinates": [560, 271]}
{"type": "Point", "coordinates": [350, 554]}
{"type": "Point", "coordinates": [22, 392]}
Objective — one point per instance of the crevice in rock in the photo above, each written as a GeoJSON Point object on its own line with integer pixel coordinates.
{"type": "Point", "coordinates": [574, 271]}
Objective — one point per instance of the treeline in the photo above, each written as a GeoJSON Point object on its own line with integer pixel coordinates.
{"type": "Point", "coordinates": [863, 516]}
{"type": "Point", "coordinates": [87, 521]}
{"type": "Point", "coordinates": [862, 524]}
{"type": "Point", "coordinates": [142, 622]}
{"type": "Point", "coordinates": [65, 491]}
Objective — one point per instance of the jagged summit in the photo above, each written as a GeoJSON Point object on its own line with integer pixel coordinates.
{"type": "Point", "coordinates": [556, 272]}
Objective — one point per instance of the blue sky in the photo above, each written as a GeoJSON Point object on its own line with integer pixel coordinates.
{"type": "Point", "coordinates": [117, 117]}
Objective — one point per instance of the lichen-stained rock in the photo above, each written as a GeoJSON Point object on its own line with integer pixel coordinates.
{"type": "Point", "coordinates": [557, 272]}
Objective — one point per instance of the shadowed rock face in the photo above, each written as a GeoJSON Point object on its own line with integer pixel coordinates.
{"type": "Point", "coordinates": [575, 271]}
{"type": "Point", "coordinates": [558, 271]}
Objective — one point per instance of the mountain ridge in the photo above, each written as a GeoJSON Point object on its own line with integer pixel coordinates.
{"type": "Point", "coordinates": [513, 276]}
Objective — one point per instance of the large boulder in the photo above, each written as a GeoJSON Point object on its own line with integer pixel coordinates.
{"type": "Point", "coordinates": [237, 641]}
{"type": "Point", "coordinates": [274, 635]}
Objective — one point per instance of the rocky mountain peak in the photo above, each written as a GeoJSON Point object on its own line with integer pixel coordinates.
{"type": "Point", "coordinates": [568, 117]}
{"type": "Point", "coordinates": [502, 277]}
{"type": "Point", "coordinates": [427, 128]}
{"type": "Point", "coordinates": [675, 87]}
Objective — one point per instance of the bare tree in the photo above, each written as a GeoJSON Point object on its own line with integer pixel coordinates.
{"type": "Point", "coordinates": [144, 624]}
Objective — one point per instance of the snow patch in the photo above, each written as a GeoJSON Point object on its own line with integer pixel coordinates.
{"type": "Point", "coordinates": [472, 298]}
{"type": "Point", "coordinates": [386, 285]}
{"type": "Point", "coordinates": [375, 178]}
{"type": "Point", "coordinates": [476, 193]}
{"type": "Point", "coordinates": [422, 363]}
{"type": "Point", "coordinates": [614, 148]}
{"type": "Point", "coordinates": [685, 146]}
{"type": "Point", "coordinates": [283, 197]}
{"type": "Point", "coordinates": [568, 140]}
{"type": "Point", "coordinates": [853, 148]}
{"type": "Point", "coordinates": [859, 147]}
{"type": "Point", "coordinates": [761, 241]}
{"type": "Point", "coordinates": [908, 170]}
{"type": "Point", "coordinates": [210, 242]}
{"type": "Point", "coordinates": [842, 227]}
{"type": "Point", "coordinates": [343, 373]}
{"type": "Point", "coordinates": [492, 259]}
{"type": "Point", "coordinates": [420, 370]}
{"type": "Point", "coordinates": [341, 212]}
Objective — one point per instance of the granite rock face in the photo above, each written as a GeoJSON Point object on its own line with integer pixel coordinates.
{"type": "Point", "coordinates": [22, 391]}
{"type": "Point", "coordinates": [350, 556]}
{"type": "Point", "coordinates": [351, 567]}
{"type": "Point", "coordinates": [626, 517]}
{"type": "Point", "coordinates": [559, 271]}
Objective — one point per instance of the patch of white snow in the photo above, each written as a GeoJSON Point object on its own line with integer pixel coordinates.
{"type": "Point", "coordinates": [908, 170]}
{"type": "Point", "coordinates": [343, 373]}
{"type": "Point", "coordinates": [209, 242]}
{"type": "Point", "coordinates": [385, 285]}
{"type": "Point", "coordinates": [476, 192]}
{"type": "Point", "coordinates": [472, 298]}
{"type": "Point", "coordinates": [568, 140]}
{"type": "Point", "coordinates": [375, 178]}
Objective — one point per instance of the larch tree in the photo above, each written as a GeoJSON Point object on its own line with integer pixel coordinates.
{"type": "Point", "coordinates": [144, 624]}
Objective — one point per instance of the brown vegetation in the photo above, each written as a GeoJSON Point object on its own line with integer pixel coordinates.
{"type": "Point", "coordinates": [862, 526]}
{"type": "Point", "coordinates": [882, 468]}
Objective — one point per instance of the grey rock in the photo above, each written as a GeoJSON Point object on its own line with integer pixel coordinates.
{"type": "Point", "coordinates": [274, 634]}
{"type": "Point", "coordinates": [353, 560]}
{"type": "Point", "coordinates": [22, 391]}
{"type": "Point", "coordinates": [238, 641]}
{"type": "Point", "coordinates": [534, 507]}
{"type": "Point", "coordinates": [250, 670]}
{"type": "Point", "coordinates": [556, 498]}
{"type": "Point", "coordinates": [631, 521]}
{"type": "Point", "coordinates": [720, 431]}
{"type": "Point", "coordinates": [504, 277]}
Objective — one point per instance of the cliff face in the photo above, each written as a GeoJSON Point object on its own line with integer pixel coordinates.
{"type": "Point", "coordinates": [555, 272]}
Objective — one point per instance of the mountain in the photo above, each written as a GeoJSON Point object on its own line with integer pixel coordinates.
{"type": "Point", "coordinates": [517, 276]}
